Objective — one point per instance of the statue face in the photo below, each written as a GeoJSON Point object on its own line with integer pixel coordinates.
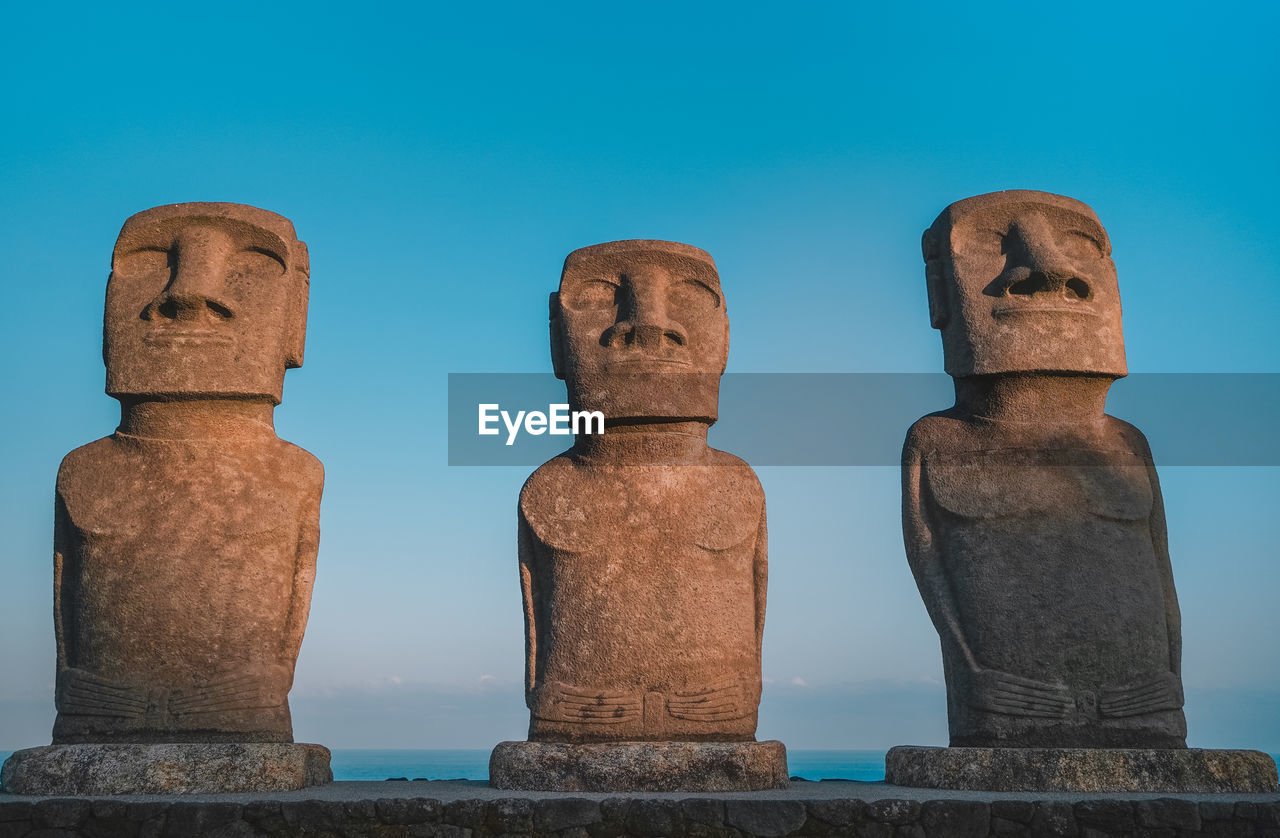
{"type": "Point", "coordinates": [1023, 281]}
{"type": "Point", "coordinates": [639, 330]}
{"type": "Point", "coordinates": [205, 300]}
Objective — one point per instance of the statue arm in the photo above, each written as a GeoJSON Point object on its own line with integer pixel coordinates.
{"type": "Point", "coordinates": [61, 546]}
{"type": "Point", "coordinates": [987, 689]}
{"type": "Point", "coordinates": [1160, 543]}
{"type": "Point", "coordinates": [925, 558]}
{"type": "Point", "coordinates": [77, 691]}
{"type": "Point", "coordinates": [304, 578]}
{"type": "Point", "coordinates": [761, 572]}
{"type": "Point", "coordinates": [526, 554]}
{"type": "Point", "coordinates": [1162, 691]}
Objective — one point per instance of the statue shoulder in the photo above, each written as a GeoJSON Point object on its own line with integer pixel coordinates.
{"type": "Point", "coordinates": [737, 471]}
{"type": "Point", "coordinates": [301, 462]}
{"type": "Point", "coordinates": [547, 479]}
{"type": "Point", "coordinates": [936, 432]}
{"type": "Point", "coordinates": [1127, 437]}
{"type": "Point", "coordinates": [90, 462]}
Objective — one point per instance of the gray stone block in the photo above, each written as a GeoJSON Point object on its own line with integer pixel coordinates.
{"type": "Point", "coordinates": [639, 766]}
{"type": "Point", "coordinates": [1181, 770]}
{"type": "Point", "coordinates": [165, 768]}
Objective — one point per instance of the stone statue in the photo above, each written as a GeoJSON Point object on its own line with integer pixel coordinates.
{"type": "Point", "coordinates": [185, 543]}
{"type": "Point", "coordinates": [1034, 525]}
{"type": "Point", "coordinates": [642, 550]}
{"type": "Point", "coordinates": [1033, 520]}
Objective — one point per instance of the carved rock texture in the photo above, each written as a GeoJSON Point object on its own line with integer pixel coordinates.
{"type": "Point", "coordinates": [406, 810]}
{"type": "Point", "coordinates": [165, 769]}
{"type": "Point", "coordinates": [643, 551]}
{"type": "Point", "coordinates": [639, 766]}
{"type": "Point", "coordinates": [1033, 521]}
{"type": "Point", "coordinates": [1177, 770]}
{"type": "Point", "coordinates": [185, 543]}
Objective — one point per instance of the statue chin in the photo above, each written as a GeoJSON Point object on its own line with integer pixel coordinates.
{"type": "Point", "coordinates": [648, 396]}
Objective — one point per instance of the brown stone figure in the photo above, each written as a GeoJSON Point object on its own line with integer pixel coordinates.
{"type": "Point", "coordinates": [185, 543]}
{"type": "Point", "coordinates": [1033, 520]}
{"type": "Point", "coordinates": [642, 550]}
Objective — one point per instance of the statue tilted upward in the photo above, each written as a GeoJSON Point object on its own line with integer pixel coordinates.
{"type": "Point", "coordinates": [1033, 521]}
{"type": "Point", "coordinates": [185, 543]}
{"type": "Point", "coordinates": [642, 549]}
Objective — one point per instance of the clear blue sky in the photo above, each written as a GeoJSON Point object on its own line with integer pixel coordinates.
{"type": "Point", "coordinates": [441, 160]}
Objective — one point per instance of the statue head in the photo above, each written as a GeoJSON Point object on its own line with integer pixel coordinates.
{"type": "Point", "coordinates": [1022, 281]}
{"type": "Point", "coordinates": [639, 331]}
{"type": "Point", "coordinates": [205, 300]}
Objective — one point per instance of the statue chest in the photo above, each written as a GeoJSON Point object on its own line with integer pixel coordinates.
{"type": "Point", "coordinates": [194, 544]}
{"type": "Point", "coordinates": [685, 519]}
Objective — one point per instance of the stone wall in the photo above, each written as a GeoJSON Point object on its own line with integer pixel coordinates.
{"type": "Point", "coordinates": [581, 817]}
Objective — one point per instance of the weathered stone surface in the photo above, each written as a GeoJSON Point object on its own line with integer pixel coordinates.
{"type": "Point", "coordinates": [185, 543]}
{"type": "Point", "coordinates": [765, 817]}
{"type": "Point", "coordinates": [1185, 770]}
{"type": "Point", "coordinates": [443, 809]}
{"type": "Point", "coordinates": [1033, 521]}
{"type": "Point", "coordinates": [642, 550]}
{"type": "Point", "coordinates": [211, 768]}
{"type": "Point", "coordinates": [639, 766]}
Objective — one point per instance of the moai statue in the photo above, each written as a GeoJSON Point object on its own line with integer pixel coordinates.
{"type": "Point", "coordinates": [185, 543]}
{"type": "Point", "coordinates": [1033, 520]}
{"type": "Point", "coordinates": [642, 550]}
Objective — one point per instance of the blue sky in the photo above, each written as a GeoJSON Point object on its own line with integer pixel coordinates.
{"type": "Point", "coordinates": [440, 161]}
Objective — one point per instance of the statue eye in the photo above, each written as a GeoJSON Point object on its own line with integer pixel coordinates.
{"type": "Point", "coordinates": [1081, 246]}
{"type": "Point", "coordinates": [983, 243]}
{"type": "Point", "coordinates": [691, 297]}
{"type": "Point", "coordinates": [592, 295]}
{"type": "Point", "coordinates": [147, 262]}
{"type": "Point", "coordinates": [255, 263]}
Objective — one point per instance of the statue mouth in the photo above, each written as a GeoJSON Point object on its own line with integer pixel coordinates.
{"type": "Point", "coordinates": [184, 337]}
{"type": "Point", "coordinates": [644, 364]}
{"type": "Point", "coordinates": [1043, 308]}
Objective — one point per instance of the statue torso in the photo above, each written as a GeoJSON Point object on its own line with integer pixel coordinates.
{"type": "Point", "coordinates": [178, 577]}
{"type": "Point", "coordinates": [645, 581]}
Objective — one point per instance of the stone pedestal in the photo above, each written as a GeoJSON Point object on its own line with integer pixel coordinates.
{"type": "Point", "coordinates": [97, 769]}
{"type": "Point", "coordinates": [639, 766]}
{"type": "Point", "coordinates": [1175, 770]}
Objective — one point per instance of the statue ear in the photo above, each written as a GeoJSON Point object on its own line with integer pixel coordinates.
{"type": "Point", "coordinates": [934, 276]}
{"type": "Point", "coordinates": [556, 326]}
{"type": "Point", "coordinates": [295, 335]}
{"type": "Point", "coordinates": [724, 351]}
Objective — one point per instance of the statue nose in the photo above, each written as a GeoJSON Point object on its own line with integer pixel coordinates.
{"type": "Point", "coordinates": [196, 286]}
{"type": "Point", "coordinates": [643, 322]}
{"type": "Point", "coordinates": [1044, 267]}
{"type": "Point", "coordinates": [643, 335]}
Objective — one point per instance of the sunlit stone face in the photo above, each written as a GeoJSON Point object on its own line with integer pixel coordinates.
{"type": "Point", "coordinates": [1023, 281]}
{"type": "Point", "coordinates": [205, 300]}
{"type": "Point", "coordinates": [639, 330]}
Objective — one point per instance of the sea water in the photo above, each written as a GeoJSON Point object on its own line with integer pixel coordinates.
{"type": "Point", "coordinates": [473, 764]}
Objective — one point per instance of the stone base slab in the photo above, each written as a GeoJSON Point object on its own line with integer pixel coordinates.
{"type": "Point", "coordinates": [639, 766]}
{"type": "Point", "coordinates": [1182, 770]}
{"type": "Point", "coordinates": [165, 768]}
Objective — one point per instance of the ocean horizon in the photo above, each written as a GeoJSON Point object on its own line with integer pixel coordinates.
{"type": "Point", "coordinates": [473, 764]}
